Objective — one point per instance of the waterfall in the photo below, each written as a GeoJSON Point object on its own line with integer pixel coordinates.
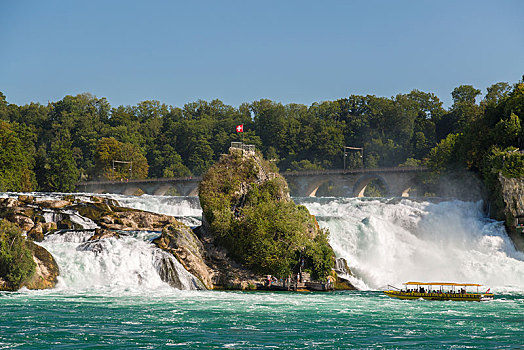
{"type": "Point", "coordinates": [394, 241]}
{"type": "Point", "coordinates": [130, 262]}
{"type": "Point", "coordinates": [384, 241]}
{"type": "Point", "coordinates": [180, 207]}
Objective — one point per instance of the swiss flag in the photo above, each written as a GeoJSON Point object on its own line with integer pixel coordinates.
{"type": "Point", "coordinates": [240, 128]}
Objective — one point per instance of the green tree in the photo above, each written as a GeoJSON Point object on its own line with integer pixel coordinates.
{"type": "Point", "coordinates": [166, 162]}
{"type": "Point", "coordinates": [464, 109]}
{"type": "Point", "coordinates": [3, 107]}
{"type": "Point", "coordinates": [16, 160]}
{"type": "Point", "coordinates": [116, 160]}
{"type": "Point", "coordinates": [201, 156]}
{"type": "Point", "coordinates": [507, 131]}
{"type": "Point", "coordinates": [444, 154]}
{"type": "Point", "coordinates": [61, 173]}
{"type": "Point", "coordinates": [496, 93]}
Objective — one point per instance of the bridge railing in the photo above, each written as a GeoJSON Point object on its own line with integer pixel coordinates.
{"type": "Point", "coordinates": [149, 180]}
{"type": "Point", "coordinates": [356, 171]}
{"type": "Point", "coordinates": [244, 147]}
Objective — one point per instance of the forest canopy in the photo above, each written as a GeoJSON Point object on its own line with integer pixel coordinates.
{"type": "Point", "coordinates": [52, 147]}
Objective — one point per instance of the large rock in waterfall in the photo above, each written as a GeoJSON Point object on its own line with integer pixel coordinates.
{"type": "Point", "coordinates": [24, 263]}
{"type": "Point", "coordinates": [251, 226]}
{"type": "Point", "coordinates": [46, 269]}
{"type": "Point", "coordinates": [181, 241]}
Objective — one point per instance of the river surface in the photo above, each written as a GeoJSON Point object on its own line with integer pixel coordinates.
{"type": "Point", "coordinates": [115, 299]}
{"type": "Point", "coordinates": [255, 320]}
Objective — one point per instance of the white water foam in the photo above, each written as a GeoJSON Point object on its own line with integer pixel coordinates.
{"type": "Point", "coordinates": [384, 241]}
{"type": "Point", "coordinates": [168, 205]}
{"type": "Point", "coordinates": [124, 264]}
{"type": "Point", "coordinates": [390, 242]}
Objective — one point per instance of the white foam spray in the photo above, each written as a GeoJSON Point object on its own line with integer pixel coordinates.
{"type": "Point", "coordinates": [391, 241]}
{"type": "Point", "coordinates": [111, 264]}
{"type": "Point", "coordinates": [385, 241]}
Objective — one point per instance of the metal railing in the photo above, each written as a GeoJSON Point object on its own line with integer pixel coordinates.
{"type": "Point", "coordinates": [245, 148]}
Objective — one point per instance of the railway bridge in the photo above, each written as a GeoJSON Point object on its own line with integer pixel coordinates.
{"type": "Point", "coordinates": [395, 182]}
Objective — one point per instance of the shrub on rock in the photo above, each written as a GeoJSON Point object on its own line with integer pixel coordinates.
{"type": "Point", "coordinates": [246, 206]}
{"type": "Point", "coordinates": [16, 260]}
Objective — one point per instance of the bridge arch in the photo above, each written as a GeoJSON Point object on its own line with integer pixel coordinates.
{"type": "Point", "coordinates": [360, 186]}
{"type": "Point", "coordinates": [132, 190]}
{"type": "Point", "coordinates": [193, 192]}
{"type": "Point", "coordinates": [162, 190]}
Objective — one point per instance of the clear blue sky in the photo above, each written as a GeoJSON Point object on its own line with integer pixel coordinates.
{"type": "Point", "coordinates": [240, 51]}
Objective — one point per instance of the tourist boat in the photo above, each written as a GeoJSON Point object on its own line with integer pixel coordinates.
{"type": "Point", "coordinates": [439, 291]}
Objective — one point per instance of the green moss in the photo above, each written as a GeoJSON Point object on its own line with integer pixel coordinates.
{"type": "Point", "coordinates": [138, 193]}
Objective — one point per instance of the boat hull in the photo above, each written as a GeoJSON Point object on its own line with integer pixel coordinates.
{"type": "Point", "coordinates": [439, 296]}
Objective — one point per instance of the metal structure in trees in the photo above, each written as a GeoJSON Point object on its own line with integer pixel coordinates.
{"type": "Point", "coordinates": [346, 148]}
{"type": "Point", "coordinates": [249, 149]}
{"type": "Point", "coordinates": [123, 162]}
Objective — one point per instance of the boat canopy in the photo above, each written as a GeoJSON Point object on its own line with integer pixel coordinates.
{"type": "Point", "coordinates": [441, 284]}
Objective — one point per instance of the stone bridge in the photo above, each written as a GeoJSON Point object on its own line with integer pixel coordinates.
{"type": "Point", "coordinates": [395, 182]}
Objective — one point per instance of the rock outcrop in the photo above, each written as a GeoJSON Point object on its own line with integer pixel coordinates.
{"type": "Point", "coordinates": [226, 273]}
{"type": "Point", "coordinates": [107, 219]}
{"type": "Point", "coordinates": [512, 194]}
{"type": "Point", "coordinates": [181, 241]}
{"type": "Point", "coordinates": [46, 271]}
{"type": "Point", "coordinates": [24, 263]}
{"type": "Point", "coordinates": [252, 228]}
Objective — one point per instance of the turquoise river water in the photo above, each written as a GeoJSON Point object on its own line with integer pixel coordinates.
{"type": "Point", "coordinates": [115, 299]}
{"type": "Point", "coordinates": [256, 320]}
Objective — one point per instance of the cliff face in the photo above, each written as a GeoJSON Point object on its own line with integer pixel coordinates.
{"type": "Point", "coordinates": [512, 193]}
{"type": "Point", "coordinates": [179, 240]}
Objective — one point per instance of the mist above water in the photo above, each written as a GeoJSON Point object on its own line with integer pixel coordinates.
{"type": "Point", "coordinates": [394, 241]}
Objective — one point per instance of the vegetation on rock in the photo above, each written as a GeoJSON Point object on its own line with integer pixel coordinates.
{"type": "Point", "coordinates": [16, 261]}
{"type": "Point", "coordinates": [247, 207]}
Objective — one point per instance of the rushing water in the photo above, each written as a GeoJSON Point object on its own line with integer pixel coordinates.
{"type": "Point", "coordinates": [111, 296]}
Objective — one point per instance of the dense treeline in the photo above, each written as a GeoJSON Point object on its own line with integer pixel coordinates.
{"type": "Point", "coordinates": [488, 141]}
{"type": "Point", "coordinates": [82, 137]}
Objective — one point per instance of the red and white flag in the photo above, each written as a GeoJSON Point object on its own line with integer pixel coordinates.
{"type": "Point", "coordinates": [240, 128]}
